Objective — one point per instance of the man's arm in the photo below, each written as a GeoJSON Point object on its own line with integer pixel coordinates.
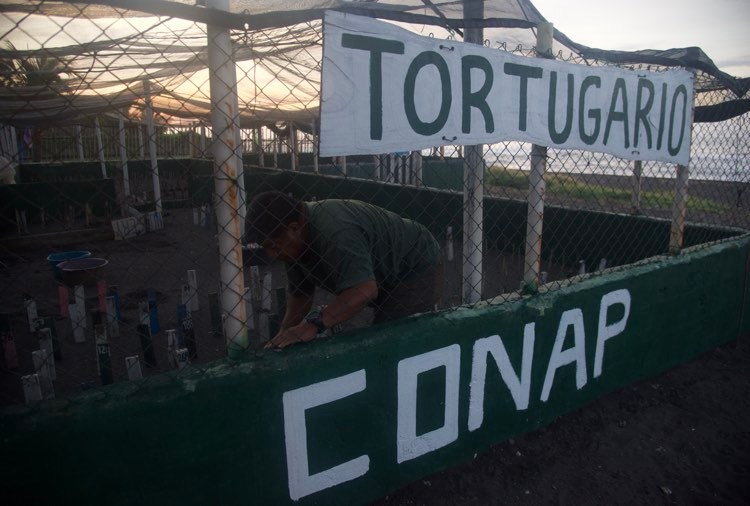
{"type": "Point", "coordinates": [343, 308]}
{"type": "Point", "coordinates": [297, 306]}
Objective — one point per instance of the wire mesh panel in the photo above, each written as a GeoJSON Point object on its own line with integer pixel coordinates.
{"type": "Point", "coordinates": [135, 146]}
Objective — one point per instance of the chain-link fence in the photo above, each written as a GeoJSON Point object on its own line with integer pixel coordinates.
{"type": "Point", "coordinates": [135, 141]}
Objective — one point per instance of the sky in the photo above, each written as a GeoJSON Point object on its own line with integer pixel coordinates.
{"type": "Point", "coordinates": [720, 27]}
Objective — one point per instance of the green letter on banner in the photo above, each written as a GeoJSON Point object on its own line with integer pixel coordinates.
{"type": "Point", "coordinates": [477, 99]}
{"type": "Point", "coordinates": [641, 111]}
{"type": "Point", "coordinates": [595, 114]}
{"type": "Point", "coordinates": [680, 90]}
{"type": "Point", "coordinates": [559, 138]}
{"type": "Point", "coordinates": [524, 72]}
{"type": "Point", "coordinates": [613, 115]}
{"type": "Point", "coordinates": [422, 60]}
{"type": "Point", "coordinates": [376, 47]}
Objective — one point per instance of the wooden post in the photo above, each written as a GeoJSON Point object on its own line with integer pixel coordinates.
{"type": "Point", "coordinates": [537, 185]}
{"type": "Point", "coordinates": [636, 197]}
{"type": "Point", "coordinates": [293, 160]}
{"type": "Point", "coordinates": [182, 356]}
{"type": "Point", "coordinates": [261, 152]}
{"type": "Point", "coordinates": [316, 148]}
{"type": "Point", "coordinates": [77, 322]}
{"type": "Point", "coordinates": [101, 295]}
{"type": "Point", "coordinates": [265, 308]}
{"type": "Point", "coordinates": [679, 210]}
{"type": "Point", "coordinates": [100, 146]}
{"type": "Point", "coordinates": [133, 366]}
{"type": "Point", "coordinates": [115, 294]}
{"type": "Point", "coordinates": [449, 255]}
{"type": "Point", "coordinates": [186, 330]}
{"type": "Point", "coordinates": [153, 313]}
{"type": "Point", "coordinates": [39, 357]}
{"type": "Point", "coordinates": [46, 344]}
{"type": "Point", "coordinates": [79, 143]}
{"type": "Point", "coordinates": [113, 328]}
{"type": "Point", "coordinates": [144, 333]}
{"type": "Point", "coordinates": [172, 347]}
{"type": "Point", "coordinates": [149, 113]}
{"type": "Point", "coordinates": [79, 295]}
{"type": "Point", "coordinates": [48, 322]}
{"type": "Point", "coordinates": [32, 390]}
{"type": "Point", "coordinates": [192, 277]}
{"type": "Point", "coordinates": [123, 156]}
{"type": "Point", "coordinates": [103, 358]}
{"type": "Point", "coordinates": [31, 312]}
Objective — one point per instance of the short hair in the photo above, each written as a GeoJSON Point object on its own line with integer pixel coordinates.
{"type": "Point", "coordinates": [269, 214]}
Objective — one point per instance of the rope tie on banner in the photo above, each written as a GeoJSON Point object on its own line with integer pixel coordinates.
{"type": "Point", "coordinates": [447, 48]}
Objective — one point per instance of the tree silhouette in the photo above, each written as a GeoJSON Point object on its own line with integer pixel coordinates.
{"type": "Point", "coordinates": [35, 76]}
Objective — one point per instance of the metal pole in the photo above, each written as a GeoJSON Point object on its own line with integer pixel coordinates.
{"type": "Point", "coordinates": [152, 145]}
{"type": "Point", "coordinates": [316, 149]}
{"type": "Point", "coordinates": [537, 185]}
{"type": "Point", "coordinates": [637, 171]}
{"type": "Point", "coordinates": [473, 205]}
{"type": "Point", "coordinates": [100, 146]}
{"type": "Point", "coordinates": [676, 233]}
{"type": "Point", "coordinates": [79, 143]}
{"type": "Point", "coordinates": [227, 170]}
{"type": "Point", "coordinates": [239, 150]}
{"type": "Point", "coordinates": [261, 158]}
{"type": "Point", "coordinates": [123, 156]}
{"type": "Point", "coordinates": [293, 147]}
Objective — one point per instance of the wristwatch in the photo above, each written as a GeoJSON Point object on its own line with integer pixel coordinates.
{"type": "Point", "coordinates": [316, 318]}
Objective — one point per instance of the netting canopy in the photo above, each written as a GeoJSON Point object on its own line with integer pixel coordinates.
{"type": "Point", "coordinates": [104, 53]}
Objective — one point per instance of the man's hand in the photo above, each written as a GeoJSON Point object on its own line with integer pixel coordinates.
{"type": "Point", "coordinates": [302, 333]}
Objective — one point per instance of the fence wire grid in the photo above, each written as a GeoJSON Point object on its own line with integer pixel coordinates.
{"type": "Point", "coordinates": [118, 239]}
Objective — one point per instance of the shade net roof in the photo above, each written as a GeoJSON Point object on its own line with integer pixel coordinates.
{"type": "Point", "coordinates": [104, 53]}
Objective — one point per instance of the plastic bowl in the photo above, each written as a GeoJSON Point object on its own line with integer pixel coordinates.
{"type": "Point", "coordinates": [80, 270]}
{"type": "Point", "coordinates": [54, 259]}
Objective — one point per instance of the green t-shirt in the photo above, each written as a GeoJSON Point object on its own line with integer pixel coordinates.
{"type": "Point", "coordinates": [352, 242]}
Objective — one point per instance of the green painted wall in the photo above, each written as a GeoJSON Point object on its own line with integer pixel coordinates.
{"type": "Point", "coordinates": [569, 235]}
{"type": "Point", "coordinates": [216, 434]}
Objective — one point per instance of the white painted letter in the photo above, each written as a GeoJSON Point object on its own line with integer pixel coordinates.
{"type": "Point", "coordinates": [606, 331]}
{"type": "Point", "coordinates": [301, 483]}
{"type": "Point", "coordinates": [518, 385]}
{"type": "Point", "coordinates": [408, 444]}
{"type": "Point", "coordinates": [575, 354]}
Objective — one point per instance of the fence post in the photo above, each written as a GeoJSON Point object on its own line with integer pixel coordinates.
{"type": "Point", "coordinates": [225, 122]}
{"type": "Point", "coordinates": [79, 143]}
{"type": "Point", "coordinates": [537, 185]}
{"type": "Point", "coordinates": [637, 171]}
{"type": "Point", "coordinates": [100, 146]}
{"type": "Point", "coordinates": [293, 148]}
{"type": "Point", "coordinates": [202, 140]}
{"type": "Point", "coordinates": [149, 113]}
{"type": "Point", "coordinates": [315, 148]}
{"type": "Point", "coordinates": [676, 233]}
{"type": "Point", "coordinates": [473, 204]}
{"type": "Point", "coordinates": [123, 155]}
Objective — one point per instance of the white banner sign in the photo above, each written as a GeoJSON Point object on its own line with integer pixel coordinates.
{"type": "Point", "coordinates": [388, 90]}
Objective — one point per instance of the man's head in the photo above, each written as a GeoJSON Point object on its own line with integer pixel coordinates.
{"type": "Point", "coordinates": [277, 221]}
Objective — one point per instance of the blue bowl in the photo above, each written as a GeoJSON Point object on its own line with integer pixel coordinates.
{"type": "Point", "coordinates": [55, 258]}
